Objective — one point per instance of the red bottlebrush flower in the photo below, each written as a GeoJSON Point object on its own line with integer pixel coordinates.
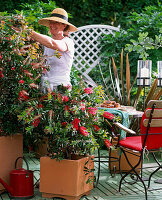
{"type": "Point", "coordinates": [44, 70]}
{"type": "Point", "coordinates": [63, 124]}
{"type": "Point", "coordinates": [69, 87]}
{"type": "Point", "coordinates": [23, 95]}
{"type": "Point", "coordinates": [83, 131]}
{"type": "Point", "coordinates": [96, 128]}
{"type": "Point", "coordinates": [73, 101]}
{"type": "Point", "coordinates": [66, 108]}
{"type": "Point", "coordinates": [33, 85]}
{"type": "Point", "coordinates": [107, 143]}
{"type": "Point", "coordinates": [108, 115]}
{"type": "Point", "coordinates": [36, 122]}
{"type": "Point", "coordinates": [21, 81]}
{"type": "Point", "coordinates": [65, 98]}
{"type": "Point", "coordinates": [40, 106]}
{"type": "Point", "coordinates": [45, 97]}
{"type": "Point", "coordinates": [51, 114]}
{"type": "Point", "coordinates": [1, 75]}
{"type": "Point", "coordinates": [59, 97]}
{"type": "Point", "coordinates": [82, 106]}
{"type": "Point", "coordinates": [13, 68]}
{"type": "Point", "coordinates": [35, 65]}
{"type": "Point", "coordinates": [1, 56]}
{"type": "Point", "coordinates": [88, 90]}
{"type": "Point", "coordinates": [75, 123]}
{"type": "Point", "coordinates": [92, 110]}
{"type": "Point", "coordinates": [28, 73]}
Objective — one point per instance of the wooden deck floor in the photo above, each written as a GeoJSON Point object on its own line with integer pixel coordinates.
{"type": "Point", "coordinates": [107, 189]}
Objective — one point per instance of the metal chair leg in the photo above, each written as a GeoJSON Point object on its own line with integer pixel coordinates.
{"type": "Point", "coordinates": [99, 167]}
{"type": "Point", "coordinates": [133, 170]}
{"type": "Point", "coordinates": [160, 166]}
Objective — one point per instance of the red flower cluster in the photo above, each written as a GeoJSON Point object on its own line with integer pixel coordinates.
{"type": "Point", "coordinates": [82, 106]}
{"type": "Point", "coordinates": [96, 128]}
{"type": "Point", "coordinates": [83, 131]}
{"type": "Point", "coordinates": [63, 124]}
{"type": "Point", "coordinates": [21, 81]}
{"type": "Point", "coordinates": [75, 123]}
{"type": "Point", "coordinates": [23, 95]}
{"type": "Point", "coordinates": [40, 106]}
{"type": "Point", "coordinates": [66, 108]}
{"type": "Point", "coordinates": [36, 122]}
{"type": "Point", "coordinates": [88, 90]}
{"type": "Point", "coordinates": [107, 143]}
{"type": "Point", "coordinates": [108, 115]}
{"type": "Point", "coordinates": [92, 110]}
{"type": "Point", "coordinates": [65, 98]}
{"type": "Point", "coordinates": [1, 75]}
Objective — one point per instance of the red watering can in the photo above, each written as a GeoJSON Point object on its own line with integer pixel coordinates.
{"type": "Point", "coordinates": [21, 182]}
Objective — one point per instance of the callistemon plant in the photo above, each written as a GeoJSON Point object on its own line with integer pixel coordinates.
{"type": "Point", "coordinates": [70, 120]}
{"type": "Point", "coordinates": [21, 66]}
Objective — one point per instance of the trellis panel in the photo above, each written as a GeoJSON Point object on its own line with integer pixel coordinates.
{"type": "Point", "coordinates": [87, 48]}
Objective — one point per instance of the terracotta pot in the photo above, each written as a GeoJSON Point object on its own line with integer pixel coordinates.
{"type": "Point", "coordinates": [42, 148]}
{"type": "Point", "coordinates": [65, 179]}
{"type": "Point", "coordinates": [11, 147]}
{"type": "Point", "coordinates": [124, 166]}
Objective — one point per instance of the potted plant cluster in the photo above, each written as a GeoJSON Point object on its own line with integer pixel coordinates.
{"type": "Point", "coordinates": [18, 80]}
{"type": "Point", "coordinates": [70, 120]}
{"type": "Point", "coordinates": [74, 127]}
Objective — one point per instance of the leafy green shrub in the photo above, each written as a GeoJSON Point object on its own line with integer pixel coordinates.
{"type": "Point", "coordinates": [35, 11]}
{"type": "Point", "coordinates": [70, 120]}
{"type": "Point", "coordinates": [21, 64]}
{"type": "Point", "coordinates": [149, 20]}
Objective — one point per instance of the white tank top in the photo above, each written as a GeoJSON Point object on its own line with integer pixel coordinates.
{"type": "Point", "coordinates": [59, 72]}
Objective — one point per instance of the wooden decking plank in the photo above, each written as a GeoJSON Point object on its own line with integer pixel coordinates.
{"type": "Point", "coordinates": [107, 188]}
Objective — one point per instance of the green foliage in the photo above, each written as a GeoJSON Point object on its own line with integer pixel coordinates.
{"type": "Point", "coordinates": [11, 5]}
{"type": "Point", "coordinates": [149, 20]}
{"type": "Point", "coordinates": [37, 10]}
{"type": "Point", "coordinates": [144, 43]}
{"type": "Point", "coordinates": [18, 75]}
{"type": "Point", "coordinates": [109, 12]}
{"type": "Point", "coordinates": [68, 118]}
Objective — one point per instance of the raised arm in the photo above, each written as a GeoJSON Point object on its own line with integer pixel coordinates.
{"type": "Point", "coordinates": [49, 42]}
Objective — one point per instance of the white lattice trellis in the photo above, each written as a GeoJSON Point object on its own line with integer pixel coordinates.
{"type": "Point", "coordinates": [87, 48]}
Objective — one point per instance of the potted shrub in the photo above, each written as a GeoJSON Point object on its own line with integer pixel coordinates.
{"type": "Point", "coordinates": [69, 119]}
{"type": "Point", "coordinates": [74, 127]}
{"type": "Point", "coordinates": [18, 80]}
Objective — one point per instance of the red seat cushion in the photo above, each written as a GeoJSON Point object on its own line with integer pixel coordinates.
{"type": "Point", "coordinates": [134, 143]}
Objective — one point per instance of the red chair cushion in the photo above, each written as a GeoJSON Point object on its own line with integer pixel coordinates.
{"type": "Point", "coordinates": [134, 143]}
{"type": "Point", "coordinates": [153, 141]}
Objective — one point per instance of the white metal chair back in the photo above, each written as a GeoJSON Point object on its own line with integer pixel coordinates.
{"type": "Point", "coordinates": [87, 48]}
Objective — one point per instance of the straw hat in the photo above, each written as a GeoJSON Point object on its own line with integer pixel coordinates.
{"type": "Point", "coordinates": [58, 15]}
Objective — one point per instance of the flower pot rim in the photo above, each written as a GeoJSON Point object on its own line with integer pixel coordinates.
{"type": "Point", "coordinates": [70, 160]}
{"type": "Point", "coordinates": [10, 135]}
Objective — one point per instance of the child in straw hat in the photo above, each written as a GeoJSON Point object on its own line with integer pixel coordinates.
{"type": "Point", "coordinates": [59, 73]}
